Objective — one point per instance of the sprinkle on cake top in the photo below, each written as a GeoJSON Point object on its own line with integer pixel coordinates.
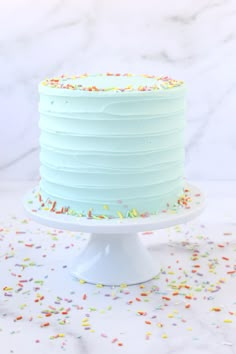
{"type": "Point", "coordinates": [112, 82]}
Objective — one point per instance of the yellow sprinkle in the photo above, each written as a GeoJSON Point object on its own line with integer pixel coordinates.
{"type": "Point", "coordinates": [26, 259]}
{"type": "Point", "coordinates": [85, 319]}
{"type": "Point", "coordinates": [149, 333]}
{"type": "Point", "coordinates": [22, 306]}
{"type": "Point", "coordinates": [61, 335]}
{"type": "Point", "coordinates": [46, 209]}
{"type": "Point", "coordinates": [8, 289]}
{"type": "Point", "coordinates": [99, 285]}
{"type": "Point", "coordinates": [123, 285]}
{"type": "Point", "coordinates": [228, 320]}
{"type": "Point", "coordinates": [120, 215]}
{"type": "Point", "coordinates": [164, 336]}
{"type": "Point", "coordinates": [92, 330]}
{"type": "Point", "coordinates": [134, 212]}
{"type": "Point", "coordinates": [160, 325]}
{"type": "Point", "coordinates": [106, 207]}
{"type": "Point", "coordinates": [170, 315]}
{"type": "Point", "coordinates": [142, 286]}
{"type": "Point", "coordinates": [189, 329]}
{"type": "Point", "coordinates": [82, 281]}
{"type": "Point", "coordinates": [85, 324]}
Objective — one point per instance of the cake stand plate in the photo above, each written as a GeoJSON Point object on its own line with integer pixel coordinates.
{"type": "Point", "coordinates": [114, 253]}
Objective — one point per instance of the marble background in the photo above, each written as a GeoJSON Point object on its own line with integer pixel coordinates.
{"type": "Point", "coordinates": [187, 39]}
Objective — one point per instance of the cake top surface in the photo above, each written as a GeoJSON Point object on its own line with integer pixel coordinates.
{"type": "Point", "coordinates": [109, 83]}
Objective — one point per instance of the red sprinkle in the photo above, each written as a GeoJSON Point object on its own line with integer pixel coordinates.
{"type": "Point", "coordinates": [225, 258]}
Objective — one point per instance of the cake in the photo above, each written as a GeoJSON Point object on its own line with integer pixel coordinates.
{"type": "Point", "coordinates": [112, 145]}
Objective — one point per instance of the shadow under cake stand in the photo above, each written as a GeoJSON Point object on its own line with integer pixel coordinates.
{"type": "Point", "coordinates": [114, 253]}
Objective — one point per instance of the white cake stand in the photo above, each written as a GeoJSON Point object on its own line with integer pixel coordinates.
{"type": "Point", "coordinates": [114, 253]}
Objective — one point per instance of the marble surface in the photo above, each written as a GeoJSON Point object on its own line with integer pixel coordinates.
{"type": "Point", "coordinates": [190, 40]}
{"type": "Point", "coordinates": [189, 307]}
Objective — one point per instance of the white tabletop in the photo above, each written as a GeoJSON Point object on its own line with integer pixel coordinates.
{"type": "Point", "coordinates": [189, 308]}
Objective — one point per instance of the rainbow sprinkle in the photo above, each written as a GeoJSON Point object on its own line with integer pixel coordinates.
{"type": "Point", "coordinates": [66, 82]}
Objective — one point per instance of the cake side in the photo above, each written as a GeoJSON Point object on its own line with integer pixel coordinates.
{"type": "Point", "coordinates": [112, 151]}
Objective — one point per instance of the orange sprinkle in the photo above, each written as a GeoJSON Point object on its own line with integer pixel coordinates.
{"type": "Point", "coordinates": [148, 322]}
{"type": "Point", "coordinates": [175, 293]}
{"type": "Point", "coordinates": [187, 306]}
{"type": "Point", "coordinates": [19, 318]}
{"type": "Point", "coordinates": [138, 299]}
{"type": "Point", "coordinates": [166, 298]}
{"type": "Point", "coordinates": [195, 258]}
{"type": "Point", "coordinates": [216, 309]}
{"type": "Point", "coordinates": [84, 297]}
{"type": "Point", "coordinates": [141, 313]}
{"type": "Point", "coordinates": [46, 324]}
{"type": "Point", "coordinates": [189, 297]}
{"type": "Point", "coordinates": [120, 344]}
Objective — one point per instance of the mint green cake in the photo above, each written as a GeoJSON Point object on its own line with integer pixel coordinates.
{"type": "Point", "coordinates": [112, 145]}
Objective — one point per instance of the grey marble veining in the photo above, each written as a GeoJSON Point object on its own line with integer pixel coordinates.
{"type": "Point", "coordinates": [190, 40]}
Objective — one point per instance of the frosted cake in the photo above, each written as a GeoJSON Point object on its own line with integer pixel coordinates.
{"type": "Point", "coordinates": [112, 145]}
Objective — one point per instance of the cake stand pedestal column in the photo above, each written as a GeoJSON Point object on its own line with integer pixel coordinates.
{"type": "Point", "coordinates": [112, 259]}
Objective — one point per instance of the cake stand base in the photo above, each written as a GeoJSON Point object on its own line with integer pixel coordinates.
{"type": "Point", "coordinates": [114, 253]}
{"type": "Point", "coordinates": [113, 259]}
